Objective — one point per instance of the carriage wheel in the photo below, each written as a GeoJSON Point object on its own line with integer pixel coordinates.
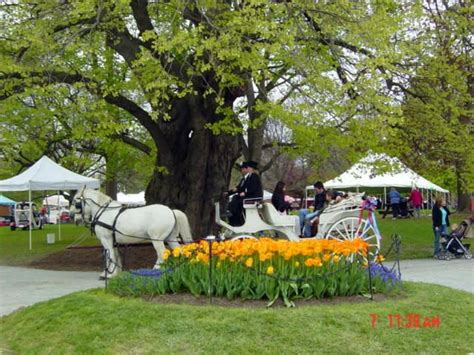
{"type": "Point", "coordinates": [349, 228]}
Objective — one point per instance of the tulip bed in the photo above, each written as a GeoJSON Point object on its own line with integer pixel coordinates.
{"type": "Point", "coordinates": [261, 269]}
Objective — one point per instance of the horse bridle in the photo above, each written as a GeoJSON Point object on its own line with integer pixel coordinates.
{"type": "Point", "coordinates": [79, 206]}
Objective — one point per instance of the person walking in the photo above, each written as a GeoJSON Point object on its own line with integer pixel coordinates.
{"type": "Point", "coordinates": [440, 217]}
{"type": "Point", "coordinates": [395, 198]}
{"type": "Point", "coordinates": [416, 200]}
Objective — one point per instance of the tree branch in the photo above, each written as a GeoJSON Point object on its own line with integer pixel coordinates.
{"type": "Point", "coordinates": [124, 137]}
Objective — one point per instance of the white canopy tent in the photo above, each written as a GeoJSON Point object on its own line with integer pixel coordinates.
{"type": "Point", "coordinates": [365, 174]}
{"type": "Point", "coordinates": [44, 175]}
{"type": "Point", "coordinates": [56, 201]}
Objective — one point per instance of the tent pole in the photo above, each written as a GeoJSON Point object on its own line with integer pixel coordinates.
{"type": "Point", "coordinates": [31, 216]}
{"type": "Point", "coordinates": [384, 196]}
{"type": "Point", "coordinates": [59, 222]}
{"type": "Point", "coordinates": [422, 199]}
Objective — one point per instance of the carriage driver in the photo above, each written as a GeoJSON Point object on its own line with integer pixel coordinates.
{"type": "Point", "coordinates": [250, 186]}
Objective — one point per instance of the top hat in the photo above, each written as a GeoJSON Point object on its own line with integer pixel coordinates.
{"type": "Point", "coordinates": [250, 164]}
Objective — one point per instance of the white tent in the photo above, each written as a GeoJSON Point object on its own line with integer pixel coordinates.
{"type": "Point", "coordinates": [132, 199]}
{"type": "Point", "coordinates": [365, 174]}
{"type": "Point", "coordinates": [44, 175]}
{"type": "Point", "coordinates": [56, 201]}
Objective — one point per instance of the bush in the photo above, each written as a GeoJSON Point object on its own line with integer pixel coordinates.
{"type": "Point", "coordinates": [259, 269]}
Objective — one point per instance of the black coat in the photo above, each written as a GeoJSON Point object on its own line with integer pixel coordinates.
{"type": "Point", "coordinates": [253, 187]}
{"type": "Point", "coordinates": [437, 216]}
{"type": "Point", "coordinates": [320, 201]}
{"type": "Point", "coordinates": [239, 188]}
{"type": "Point", "coordinates": [278, 200]}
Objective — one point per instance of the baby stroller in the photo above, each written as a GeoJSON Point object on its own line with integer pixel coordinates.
{"type": "Point", "coordinates": [452, 246]}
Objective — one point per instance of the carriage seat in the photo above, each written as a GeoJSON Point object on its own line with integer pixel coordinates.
{"type": "Point", "coordinates": [271, 216]}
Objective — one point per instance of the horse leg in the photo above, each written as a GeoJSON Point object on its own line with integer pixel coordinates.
{"type": "Point", "coordinates": [113, 264]}
{"type": "Point", "coordinates": [160, 249]}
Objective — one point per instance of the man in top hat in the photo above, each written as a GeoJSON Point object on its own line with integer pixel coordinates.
{"type": "Point", "coordinates": [249, 187]}
{"type": "Point", "coordinates": [253, 185]}
{"type": "Point", "coordinates": [235, 206]}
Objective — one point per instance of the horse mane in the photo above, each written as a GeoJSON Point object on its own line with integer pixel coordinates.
{"type": "Point", "coordinates": [101, 198]}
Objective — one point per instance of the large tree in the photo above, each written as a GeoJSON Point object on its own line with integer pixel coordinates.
{"type": "Point", "coordinates": [202, 77]}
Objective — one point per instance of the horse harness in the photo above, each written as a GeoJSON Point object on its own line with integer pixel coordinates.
{"type": "Point", "coordinates": [96, 222]}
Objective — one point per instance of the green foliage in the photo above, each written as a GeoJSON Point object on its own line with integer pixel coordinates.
{"type": "Point", "coordinates": [282, 49]}
{"type": "Point", "coordinates": [438, 130]}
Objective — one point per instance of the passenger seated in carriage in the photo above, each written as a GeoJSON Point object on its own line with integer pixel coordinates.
{"type": "Point", "coordinates": [307, 217]}
{"type": "Point", "coordinates": [278, 198]}
{"type": "Point", "coordinates": [249, 187]}
{"type": "Point", "coordinates": [334, 197]}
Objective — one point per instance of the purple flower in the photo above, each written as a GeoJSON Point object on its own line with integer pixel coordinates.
{"type": "Point", "coordinates": [387, 276]}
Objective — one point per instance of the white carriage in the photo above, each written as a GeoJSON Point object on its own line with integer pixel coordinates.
{"type": "Point", "coordinates": [26, 214]}
{"type": "Point", "coordinates": [342, 221]}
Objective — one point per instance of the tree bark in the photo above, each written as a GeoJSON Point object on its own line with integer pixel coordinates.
{"type": "Point", "coordinates": [198, 166]}
{"type": "Point", "coordinates": [111, 187]}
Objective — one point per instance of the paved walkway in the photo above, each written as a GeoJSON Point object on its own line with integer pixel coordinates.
{"type": "Point", "coordinates": [20, 287]}
{"type": "Point", "coordinates": [456, 273]}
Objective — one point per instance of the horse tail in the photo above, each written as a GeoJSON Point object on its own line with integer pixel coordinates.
{"type": "Point", "coordinates": [183, 226]}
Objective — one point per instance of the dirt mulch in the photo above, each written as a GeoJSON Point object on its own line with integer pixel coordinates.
{"type": "Point", "coordinates": [91, 258]}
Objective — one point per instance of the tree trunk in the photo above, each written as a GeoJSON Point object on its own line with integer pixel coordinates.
{"type": "Point", "coordinates": [198, 167]}
{"type": "Point", "coordinates": [111, 188]}
{"type": "Point", "coordinates": [464, 199]}
{"type": "Point", "coordinates": [464, 202]}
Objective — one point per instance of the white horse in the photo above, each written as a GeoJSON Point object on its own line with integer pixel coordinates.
{"type": "Point", "coordinates": [115, 225]}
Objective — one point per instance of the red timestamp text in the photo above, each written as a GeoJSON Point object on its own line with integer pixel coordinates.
{"type": "Point", "coordinates": [410, 320]}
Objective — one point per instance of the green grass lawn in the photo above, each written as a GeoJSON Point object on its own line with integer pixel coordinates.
{"type": "Point", "coordinates": [97, 322]}
{"type": "Point", "coordinates": [14, 245]}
